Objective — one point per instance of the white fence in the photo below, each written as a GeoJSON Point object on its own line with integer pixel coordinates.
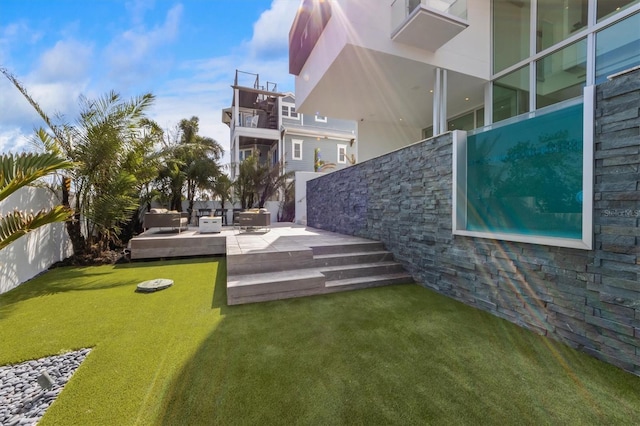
{"type": "Point", "coordinates": [38, 250]}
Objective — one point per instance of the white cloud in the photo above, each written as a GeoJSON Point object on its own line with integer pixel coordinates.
{"type": "Point", "coordinates": [138, 8]}
{"type": "Point", "coordinates": [68, 60]}
{"type": "Point", "coordinates": [13, 140]}
{"type": "Point", "coordinates": [271, 31]}
{"type": "Point", "coordinates": [131, 55]}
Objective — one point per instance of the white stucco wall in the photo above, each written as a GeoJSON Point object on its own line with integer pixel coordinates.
{"type": "Point", "coordinates": [380, 138]}
{"type": "Point", "coordinates": [368, 24]}
{"type": "Point", "coordinates": [38, 250]}
{"type": "Point", "coordinates": [301, 195]}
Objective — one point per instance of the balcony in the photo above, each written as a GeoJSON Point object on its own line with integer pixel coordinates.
{"type": "Point", "coordinates": [427, 24]}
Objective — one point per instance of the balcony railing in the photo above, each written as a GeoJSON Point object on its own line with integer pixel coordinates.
{"type": "Point", "coordinates": [401, 9]}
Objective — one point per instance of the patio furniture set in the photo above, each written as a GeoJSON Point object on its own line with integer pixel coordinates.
{"type": "Point", "coordinates": [251, 219]}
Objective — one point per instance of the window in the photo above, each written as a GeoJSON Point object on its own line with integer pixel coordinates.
{"type": "Point", "coordinates": [558, 20]}
{"type": "Point", "coordinates": [289, 111]}
{"type": "Point", "coordinates": [530, 180]}
{"type": "Point", "coordinates": [511, 95]}
{"type": "Point", "coordinates": [296, 149]}
{"type": "Point", "coordinates": [511, 28]}
{"type": "Point", "coordinates": [342, 154]}
{"type": "Point", "coordinates": [618, 47]}
{"type": "Point", "coordinates": [607, 8]}
{"type": "Point", "coordinates": [464, 122]}
{"type": "Point", "coordinates": [244, 154]}
{"type": "Point", "coordinates": [561, 75]}
{"type": "Point", "coordinates": [321, 118]}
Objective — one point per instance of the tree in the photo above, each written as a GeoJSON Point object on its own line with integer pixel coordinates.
{"type": "Point", "coordinates": [105, 144]}
{"type": "Point", "coordinates": [257, 183]}
{"type": "Point", "coordinates": [245, 185]}
{"type": "Point", "coordinates": [191, 163]}
{"type": "Point", "coordinates": [271, 181]}
{"type": "Point", "coordinates": [222, 189]}
{"type": "Point", "coordinates": [19, 171]}
{"type": "Point", "coordinates": [54, 143]}
{"type": "Point", "coordinates": [108, 147]}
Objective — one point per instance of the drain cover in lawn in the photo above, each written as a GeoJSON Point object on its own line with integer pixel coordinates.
{"type": "Point", "coordinates": [154, 285]}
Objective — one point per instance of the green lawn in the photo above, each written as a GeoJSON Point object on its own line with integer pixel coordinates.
{"type": "Point", "coordinates": [394, 355]}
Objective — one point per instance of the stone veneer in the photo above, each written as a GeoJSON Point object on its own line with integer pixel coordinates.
{"type": "Point", "coordinates": [587, 299]}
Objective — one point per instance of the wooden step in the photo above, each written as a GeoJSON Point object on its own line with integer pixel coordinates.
{"type": "Point", "coordinates": [259, 262]}
{"type": "Point", "coordinates": [273, 286]}
{"type": "Point", "coordinates": [350, 258]}
{"type": "Point", "coordinates": [348, 248]}
{"type": "Point", "coordinates": [360, 270]}
{"type": "Point", "coordinates": [368, 282]}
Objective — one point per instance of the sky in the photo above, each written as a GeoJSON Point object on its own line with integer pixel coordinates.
{"type": "Point", "coordinates": [184, 52]}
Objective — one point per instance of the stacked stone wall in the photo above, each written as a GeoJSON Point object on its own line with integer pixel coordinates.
{"type": "Point", "coordinates": [590, 299]}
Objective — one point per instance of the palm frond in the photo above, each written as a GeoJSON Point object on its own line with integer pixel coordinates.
{"type": "Point", "coordinates": [16, 224]}
{"type": "Point", "coordinates": [20, 170]}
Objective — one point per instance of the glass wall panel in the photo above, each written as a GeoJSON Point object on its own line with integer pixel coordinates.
{"type": "Point", "coordinates": [607, 8]}
{"type": "Point", "coordinates": [618, 47]}
{"type": "Point", "coordinates": [464, 122]}
{"type": "Point", "coordinates": [526, 178]}
{"type": "Point", "coordinates": [558, 20]}
{"type": "Point", "coordinates": [511, 28]}
{"type": "Point", "coordinates": [480, 117]}
{"type": "Point", "coordinates": [561, 75]}
{"type": "Point", "coordinates": [511, 95]}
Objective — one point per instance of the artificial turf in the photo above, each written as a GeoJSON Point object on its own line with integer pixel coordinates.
{"type": "Point", "coordinates": [393, 355]}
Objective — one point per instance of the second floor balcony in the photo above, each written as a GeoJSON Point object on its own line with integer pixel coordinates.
{"type": "Point", "coordinates": [427, 24]}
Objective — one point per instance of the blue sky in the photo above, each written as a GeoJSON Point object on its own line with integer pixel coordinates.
{"type": "Point", "coordinates": [185, 53]}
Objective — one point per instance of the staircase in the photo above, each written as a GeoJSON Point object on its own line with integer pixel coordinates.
{"type": "Point", "coordinates": [259, 277]}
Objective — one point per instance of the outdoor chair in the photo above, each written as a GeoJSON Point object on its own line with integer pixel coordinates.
{"type": "Point", "coordinates": [163, 218]}
{"type": "Point", "coordinates": [254, 219]}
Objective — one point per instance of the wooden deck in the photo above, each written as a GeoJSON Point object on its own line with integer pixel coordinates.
{"type": "Point", "coordinates": [157, 243]}
{"type": "Point", "coordinates": [283, 262]}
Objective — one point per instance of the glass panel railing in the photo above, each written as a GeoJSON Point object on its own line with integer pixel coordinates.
{"type": "Point", "coordinates": [401, 9]}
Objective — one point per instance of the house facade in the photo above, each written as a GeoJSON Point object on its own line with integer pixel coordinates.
{"type": "Point", "coordinates": [265, 122]}
{"type": "Point", "coordinates": [409, 69]}
{"type": "Point", "coordinates": [503, 144]}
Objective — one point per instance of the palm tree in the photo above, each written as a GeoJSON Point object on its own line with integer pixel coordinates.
{"type": "Point", "coordinates": [103, 143]}
{"type": "Point", "coordinates": [246, 184]}
{"type": "Point", "coordinates": [108, 146]}
{"type": "Point", "coordinates": [222, 189]}
{"type": "Point", "coordinates": [19, 171]}
{"type": "Point", "coordinates": [191, 163]}
{"type": "Point", "coordinates": [257, 183]}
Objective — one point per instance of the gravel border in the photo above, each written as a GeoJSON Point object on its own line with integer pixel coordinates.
{"type": "Point", "coordinates": [22, 400]}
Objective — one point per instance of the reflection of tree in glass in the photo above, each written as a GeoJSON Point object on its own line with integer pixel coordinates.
{"type": "Point", "coordinates": [550, 173]}
{"type": "Point", "coordinates": [482, 176]}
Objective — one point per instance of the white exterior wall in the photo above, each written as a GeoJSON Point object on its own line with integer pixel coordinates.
{"type": "Point", "coordinates": [468, 53]}
{"type": "Point", "coordinates": [382, 138]}
{"type": "Point", "coordinates": [38, 250]}
{"type": "Point", "coordinates": [368, 24]}
{"type": "Point", "coordinates": [301, 195]}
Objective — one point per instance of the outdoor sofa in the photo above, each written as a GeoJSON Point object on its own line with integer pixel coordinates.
{"type": "Point", "coordinates": [254, 218]}
{"type": "Point", "coordinates": [163, 218]}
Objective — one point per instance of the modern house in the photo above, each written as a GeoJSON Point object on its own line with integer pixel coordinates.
{"type": "Point", "coordinates": [265, 122]}
{"type": "Point", "coordinates": [503, 148]}
{"type": "Point", "coordinates": [410, 69]}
